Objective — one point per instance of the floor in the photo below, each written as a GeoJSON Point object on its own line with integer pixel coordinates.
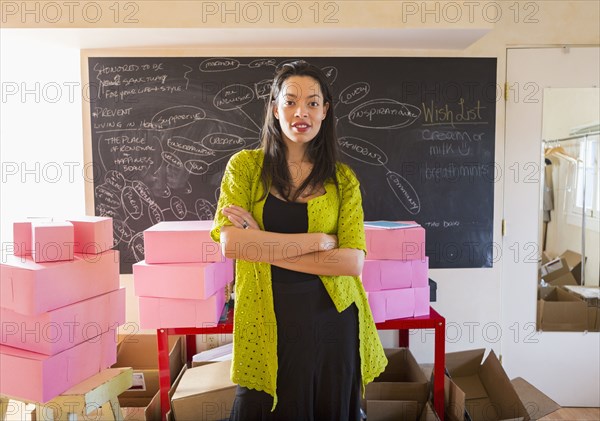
{"type": "Point", "coordinates": [574, 414]}
{"type": "Point", "coordinates": [571, 414]}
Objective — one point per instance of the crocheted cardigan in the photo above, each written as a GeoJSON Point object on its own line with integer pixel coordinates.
{"type": "Point", "coordinates": [340, 212]}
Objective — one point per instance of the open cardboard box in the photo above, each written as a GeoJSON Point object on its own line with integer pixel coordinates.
{"type": "Point", "coordinates": [591, 295]}
{"type": "Point", "coordinates": [204, 393]}
{"type": "Point", "coordinates": [400, 392]}
{"type": "Point", "coordinates": [144, 409]}
{"type": "Point", "coordinates": [568, 262]}
{"type": "Point", "coordinates": [140, 352]}
{"type": "Point", "coordinates": [486, 393]}
{"type": "Point", "coordinates": [561, 311]}
{"type": "Point", "coordinates": [489, 395]}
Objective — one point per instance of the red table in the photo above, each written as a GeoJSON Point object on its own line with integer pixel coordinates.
{"type": "Point", "coordinates": [432, 321]}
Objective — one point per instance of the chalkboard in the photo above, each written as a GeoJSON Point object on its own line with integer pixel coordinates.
{"type": "Point", "coordinates": [419, 133]}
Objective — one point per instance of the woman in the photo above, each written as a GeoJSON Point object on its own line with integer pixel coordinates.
{"type": "Point", "coordinates": [291, 215]}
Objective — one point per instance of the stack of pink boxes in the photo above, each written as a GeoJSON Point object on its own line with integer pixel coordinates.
{"type": "Point", "coordinates": [60, 306]}
{"type": "Point", "coordinates": [181, 282]}
{"type": "Point", "coordinates": [395, 274]}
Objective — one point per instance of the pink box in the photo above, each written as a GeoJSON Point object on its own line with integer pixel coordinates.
{"type": "Point", "coordinates": [181, 280]}
{"type": "Point", "coordinates": [92, 234]}
{"type": "Point", "coordinates": [53, 332]}
{"type": "Point", "coordinates": [51, 241]}
{"type": "Point", "coordinates": [392, 304]}
{"type": "Point", "coordinates": [398, 303]}
{"type": "Point", "coordinates": [421, 301]}
{"type": "Point", "coordinates": [156, 313]}
{"type": "Point", "coordinates": [36, 377]}
{"type": "Point", "coordinates": [22, 238]}
{"type": "Point", "coordinates": [380, 275]}
{"type": "Point", "coordinates": [32, 288]}
{"type": "Point", "coordinates": [395, 244]}
{"type": "Point", "coordinates": [181, 242]}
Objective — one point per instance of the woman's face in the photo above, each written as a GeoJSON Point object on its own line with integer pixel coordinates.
{"type": "Point", "coordinates": [300, 109]}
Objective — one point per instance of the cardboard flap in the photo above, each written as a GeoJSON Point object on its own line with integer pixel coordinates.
{"type": "Point", "coordinates": [500, 391]}
{"type": "Point", "coordinates": [572, 258]}
{"type": "Point", "coordinates": [204, 393]}
{"type": "Point", "coordinates": [536, 403]}
{"type": "Point", "coordinates": [482, 410]}
{"type": "Point", "coordinates": [204, 379]}
{"type": "Point", "coordinates": [402, 367]}
{"type": "Point", "coordinates": [471, 386]}
{"type": "Point", "coordinates": [429, 414]}
{"type": "Point", "coordinates": [390, 410]}
{"type": "Point", "coordinates": [464, 363]}
{"type": "Point", "coordinates": [454, 399]}
{"type": "Point", "coordinates": [396, 391]}
{"type": "Point", "coordinates": [565, 279]}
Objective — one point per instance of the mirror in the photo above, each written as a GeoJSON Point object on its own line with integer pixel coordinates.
{"type": "Point", "coordinates": [569, 207]}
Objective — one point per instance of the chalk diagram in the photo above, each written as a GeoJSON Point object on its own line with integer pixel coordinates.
{"type": "Point", "coordinates": [378, 114]}
{"type": "Point", "coordinates": [147, 169]}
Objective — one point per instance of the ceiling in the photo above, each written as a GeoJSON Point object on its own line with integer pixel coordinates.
{"type": "Point", "coordinates": [396, 38]}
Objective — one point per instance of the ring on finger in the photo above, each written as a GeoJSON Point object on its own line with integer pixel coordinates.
{"type": "Point", "coordinates": [245, 224]}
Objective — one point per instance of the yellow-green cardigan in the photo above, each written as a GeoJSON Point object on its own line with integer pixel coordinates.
{"type": "Point", "coordinates": [254, 362]}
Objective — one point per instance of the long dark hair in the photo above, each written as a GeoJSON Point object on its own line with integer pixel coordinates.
{"type": "Point", "coordinates": [322, 151]}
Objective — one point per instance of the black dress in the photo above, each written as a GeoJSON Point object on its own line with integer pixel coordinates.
{"type": "Point", "coordinates": [318, 378]}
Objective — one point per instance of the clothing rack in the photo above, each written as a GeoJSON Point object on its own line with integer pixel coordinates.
{"type": "Point", "coordinates": [581, 137]}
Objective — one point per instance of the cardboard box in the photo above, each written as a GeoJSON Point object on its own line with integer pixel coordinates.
{"type": "Point", "coordinates": [538, 405]}
{"type": "Point", "coordinates": [156, 313]}
{"type": "Point", "coordinates": [593, 319]}
{"type": "Point", "coordinates": [380, 275]}
{"type": "Point", "coordinates": [220, 353]}
{"type": "Point", "coordinates": [36, 377]}
{"type": "Point", "coordinates": [488, 392]}
{"type": "Point", "coordinates": [140, 352]}
{"type": "Point", "coordinates": [181, 280]}
{"type": "Point", "coordinates": [181, 242]}
{"type": "Point", "coordinates": [567, 262]}
{"type": "Point", "coordinates": [60, 329]}
{"type": "Point", "coordinates": [554, 269]}
{"type": "Point", "coordinates": [392, 410]}
{"type": "Point", "coordinates": [429, 414]}
{"type": "Point", "coordinates": [398, 303]}
{"type": "Point", "coordinates": [573, 260]}
{"type": "Point", "coordinates": [204, 393]}
{"type": "Point", "coordinates": [51, 241]}
{"type": "Point", "coordinates": [591, 295]}
{"type": "Point", "coordinates": [147, 409]}
{"type": "Point", "coordinates": [402, 381]}
{"type": "Point", "coordinates": [564, 279]}
{"type": "Point", "coordinates": [454, 400]}
{"type": "Point", "coordinates": [92, 234]}
{"type": "Point", "coordinates": [31, 288]}
{"type": "Point", "coordinates": [395, 244]}
{"type": "Point", "coordinates": [559, 310]}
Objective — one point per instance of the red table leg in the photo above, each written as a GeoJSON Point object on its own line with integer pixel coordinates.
{"type": "Point", "coordinates": [164, 374]}
{"type": "Point", "coordinates": [190, 347]}
{"type": "Point", "coordinates": [403, 338]}
{"type": "Point", "coordinates": [438, 368]}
